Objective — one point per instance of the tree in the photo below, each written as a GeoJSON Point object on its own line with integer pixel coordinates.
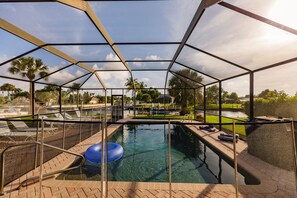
{"type": "Point", "coordinates": [153, 92]}
{"type": "Point", "coordinates": [87, 97]}
{"type": "Point", "coordinates": [234, 97]}
{"type": "Point", "coordinates": [20, 93]}
{"type": "Point", "coordinates": [29, 67]}
{"type": "Point", "coordinates": [273, 95]}
{"type": "Point", "coordinates": [7, 87]}
{"type": "Point", "coordinates": [70, 92]}
{"type": "Point", "coordinates": [178, 88]}
{"type": "Point", "coordinates": [212, 94]}
{"type": "Point", "coordinates": [146, 98]}
{"type": "Point", "coordinates": [48, 94]}
{"type": "Point", "coordinates": [129, 84]}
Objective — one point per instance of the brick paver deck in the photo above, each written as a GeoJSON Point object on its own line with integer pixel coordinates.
{"type": "Point", "coordinates": [275, 182]}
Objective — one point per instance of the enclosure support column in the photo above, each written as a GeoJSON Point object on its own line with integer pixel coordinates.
{"type": "Point", "coordinates": [194, 103]}
{"type": "Point", "coordinates": [77, 101]}
{"type": "Point", "coordinates": [134, 102]}
{"type": "Point", "coordinates": [251, 95]}
{"type": "Point", "coordinates": [103, 153]}
{"type": "Point", "coordinates": [41, 158]}
{"type": "Point", "coordinates": [123, 108]}
{"type": "Point", "coordinates": [235, 159]}
{"type": "Point", "coordinates": [220, 105]}
{"type": "Point", "coordinates": [164, 104]}
{"type": "Point", "coordinates": [294, 150]}
{"type": "Point", "coordinates": [113, 114]}
{"type": "Point", "coordinates": [204, 103]}
{"type": "Point", "coordinates": [32, 99]}
{"type": "Point", "coordinates": [106, 147]}
{"type": "Point", "coordinates": [60, 99]}
{"type": "Point", "coordinates": [169, 158]}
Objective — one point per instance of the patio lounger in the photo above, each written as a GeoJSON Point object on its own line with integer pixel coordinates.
{"type": "Point", "coordinates": [81, 117]}
{"type": "Point", "coordinates": [22, 126]}
{"type": "Point", "coordinates": [58, 117]}
{"type": "Point", "coordinates": [52, 123]}
{"type": "Point", "coordinates": [6, 132]}
{"type": "Point", "coordinates": [67, 116]}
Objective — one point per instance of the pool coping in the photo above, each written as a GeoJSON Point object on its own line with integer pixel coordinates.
{"type": "Point", "coordinates": [280, 183]}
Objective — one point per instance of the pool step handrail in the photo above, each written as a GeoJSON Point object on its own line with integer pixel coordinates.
{"type": "Point", "coordinates": [46, 175]}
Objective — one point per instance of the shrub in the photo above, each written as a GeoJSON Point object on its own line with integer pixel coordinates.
{"type": "Point", "coordinates": [270, 107]}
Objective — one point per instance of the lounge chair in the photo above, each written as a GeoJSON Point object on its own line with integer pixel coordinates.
{"type": "Point", "coordinates": [59, 116]}
{"type": "Point", "coordinates": [78, 114]}
{"type": "Point", "coordinates": [52, 123]}
{"type": "Point", "coordinates": [67, 116]}
{"type": "Point", "coordinates": [6, 132]}
{"type": "Point", "coordinates": [21, 126]}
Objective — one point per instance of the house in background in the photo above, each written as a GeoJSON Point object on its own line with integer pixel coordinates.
{"type": "Point", "coordinates": [94, 100]}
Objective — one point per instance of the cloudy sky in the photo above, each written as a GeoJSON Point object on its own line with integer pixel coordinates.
{"type": "Point", "coordinates": [220, 31]}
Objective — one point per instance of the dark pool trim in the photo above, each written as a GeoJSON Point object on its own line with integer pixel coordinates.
{"type": "Point", "coordinates": [225, 157]}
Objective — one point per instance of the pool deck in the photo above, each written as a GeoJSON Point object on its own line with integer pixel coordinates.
{"type": "Point", "coordinates": [275, 182]}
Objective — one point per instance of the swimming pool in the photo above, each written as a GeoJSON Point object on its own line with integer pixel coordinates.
{"type": "Point", "coordinates": [145, 159]}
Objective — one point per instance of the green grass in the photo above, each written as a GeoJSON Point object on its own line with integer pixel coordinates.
{"type": "Point", "coordinates": [240, 129]}
{"type": "Point", "coordinates": [225, 106]}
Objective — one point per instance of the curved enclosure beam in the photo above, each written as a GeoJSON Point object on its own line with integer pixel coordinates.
{"type": "Point", "coordinates": [197, 71]}
{"type": "Point", "coordinates": [199, 12]}
{"type": "Point", "coordinates": [84, 6]}
{"type": "Point", "coordinates": [183, 76]}
{"type": "Point", "coordinates": [32, 39]}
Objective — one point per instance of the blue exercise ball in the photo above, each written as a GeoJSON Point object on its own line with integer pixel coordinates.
{"type": "Point", "coordinates": [93, 153]}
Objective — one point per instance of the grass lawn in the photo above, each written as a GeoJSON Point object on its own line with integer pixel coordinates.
{"type": "Point", "coordinates": [240, 129]}
{"type": "Point", "coordinates": [225, 106]}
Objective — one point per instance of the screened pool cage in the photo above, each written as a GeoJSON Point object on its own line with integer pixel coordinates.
{"type": "Point", "coordinates": [96, 46]}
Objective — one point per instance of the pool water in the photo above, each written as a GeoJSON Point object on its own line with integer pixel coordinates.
{"type": "Point", "coordinates": [145, 159]}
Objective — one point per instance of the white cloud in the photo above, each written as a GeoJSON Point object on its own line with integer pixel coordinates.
{"type": "Point", "coordinates": [111, 57]}
{"type": "Point", "coordinates": [3, 57]}
{"type": "Point", "coordinates": [152, 57]}
{"type": "Point", "coordinates": [138, 64]}
{"type": "Point", "coordinates": [95, 67]}
{"type": "Point", "coordinates": [145, 80]}
{"type": "Point", "coordinates": [79, 73]}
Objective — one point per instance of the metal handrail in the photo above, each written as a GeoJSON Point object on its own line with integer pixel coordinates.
{"type": "Point", "coordinates": [2, 160]}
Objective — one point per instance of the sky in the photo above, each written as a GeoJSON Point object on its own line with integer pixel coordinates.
{"type": "Point", "coordinates": [237, 38]}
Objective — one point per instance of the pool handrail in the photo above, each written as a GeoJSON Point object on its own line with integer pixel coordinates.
{"type": "Point", "coordinates": [2, 160]}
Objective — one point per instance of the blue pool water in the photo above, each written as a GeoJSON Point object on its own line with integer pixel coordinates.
{"type": "Point", "coordinates": [145, 158]}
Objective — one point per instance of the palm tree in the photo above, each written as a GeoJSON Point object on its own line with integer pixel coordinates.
{"type": "Point", "coordinates": [29, 67]}
{"type": "Point", "coordinates": [7, 87]}
{"type": "Point", "coordinates": [177, 85]}
{"type": "Point", "coordinates": [129, 84]}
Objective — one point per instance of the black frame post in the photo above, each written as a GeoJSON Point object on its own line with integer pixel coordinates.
{"type": "Point", "coordinates": [220, 105]}
{"type": "Point", "coordinates": [60, 99]}
{"type": "Point", "coordinates": [251, 116]}
{"type": "Point", "coordinates": [204, 103]}
{"type": "Point", "coordinates": [194, 103]}
{"type": "Point", "coordinates": [32, 96]}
